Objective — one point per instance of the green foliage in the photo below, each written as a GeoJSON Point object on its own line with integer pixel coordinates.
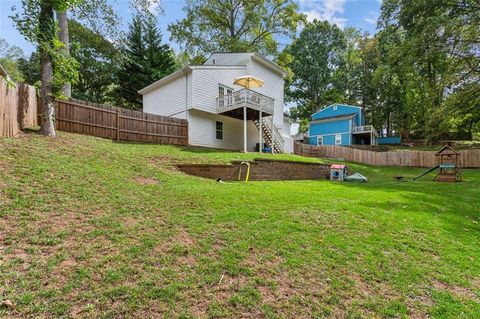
{"type": "Point", "coordinates": [9, 59]}
{"type": "Point", "coordinates": [65, 68]}
{"type": "Point", "coordinates": [315, 58]}
{"type": "Point", "coordinates": [98, 63]}
{"type": "Point", "coordinates": [235, 26]}
{"type": "Point", "coordinates": [36, 22]}
{"type": "Point", "coordinates": [419, 74]}
{"type": "Point", "coordinates": [145, 60]}
{"type": "Point", "coordinates": [431, 47]}
{"type": "Point", "coordinates": [30, 68]}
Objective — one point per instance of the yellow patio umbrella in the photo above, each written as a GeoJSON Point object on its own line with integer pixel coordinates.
{"type": "Point", "coordinates": [248, 81]}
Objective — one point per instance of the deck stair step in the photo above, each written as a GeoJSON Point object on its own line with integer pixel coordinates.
{"type": "Point", "coordinates": [266, 126]}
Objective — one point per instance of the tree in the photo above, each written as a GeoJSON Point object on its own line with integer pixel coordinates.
{"type": "Point", "coordinates": [37, 23]}
{"type": "Point", "coordinates": [97, 14]}
{"type": "Point", "coordinates": [9, 59]}
{"type": "Point", "coordinates": [145, 59]}
{"type": "Point", "coordinates": [317, 55]}
{"type": "Point", "coordinates": [63, 37]}
{"type": "Point", "coordinates": [349, 72]}
{"type": "Point", "coordinates": [30, 68]}
{"type": "Point", "coordinates": [235, 25]}
{"type": "Point", "coordinates": [98, 64]}
{"type": "Point", "coordinates": [436, 43]}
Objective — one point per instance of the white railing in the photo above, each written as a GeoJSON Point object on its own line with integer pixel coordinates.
{"type": "Point", "coordinates": [276, 134]}
{"type": "Point", "coordinates": [245, 97]}
{"type": "Point", "coordinates": [365, 129]}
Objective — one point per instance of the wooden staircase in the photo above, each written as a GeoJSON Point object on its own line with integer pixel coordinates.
{"type": "Point", "coordinates": [267, 134]}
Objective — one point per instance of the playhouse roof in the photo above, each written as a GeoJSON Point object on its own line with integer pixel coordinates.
{"type": "Point", "coordinates": [338, 166]}
{"type": "Point", "coordinates": [447, 150]}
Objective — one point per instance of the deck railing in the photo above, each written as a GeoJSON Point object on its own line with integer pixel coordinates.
{"type": "Point", "coordinates": [365, 129]}
{"type": "Point", "coordinates": [245, 97]}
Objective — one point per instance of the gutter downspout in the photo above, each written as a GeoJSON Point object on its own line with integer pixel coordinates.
{"type": "Point", "coordinates": [186, 95]}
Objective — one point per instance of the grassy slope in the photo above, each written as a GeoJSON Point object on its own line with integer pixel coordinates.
{"type": "Point", "coordinates": [92, 228]}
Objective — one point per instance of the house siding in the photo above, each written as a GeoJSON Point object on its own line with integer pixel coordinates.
{"type": "Point", "coordinates": [169, 99]}
{"type": "Point", "coordinates": [229, 59]}
{"type": "Point", "coordinates": [329, 139]}
{"type": "Point", "coordinates": [340, 110]}
{"type": "Point", "coordinates": [202, 131]}
{"type": "Point", "coordinates": [206, 82]}
{"type": "Point", "coordinates": [328, 130]}
{"type": "Point", "coordinates": [272, 87]}
{"type": "Point", "coordinates": [338, 126]}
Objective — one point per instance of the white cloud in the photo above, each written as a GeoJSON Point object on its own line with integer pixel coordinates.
{"type": "Point", "coordinates": [153, 6]}
{"type": "Point", "coordinates": [372, 17]}
{"type": "Point", "coordinates": [330, 10]}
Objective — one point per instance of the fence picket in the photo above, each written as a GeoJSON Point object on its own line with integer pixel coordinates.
{"type": "Point", "coordinates": [467, 159]}
{"type": "Point", "coordinates": [117, 123]}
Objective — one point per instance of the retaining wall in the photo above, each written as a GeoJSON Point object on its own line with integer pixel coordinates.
{"type": "Point", "coordinates": [260, 170]}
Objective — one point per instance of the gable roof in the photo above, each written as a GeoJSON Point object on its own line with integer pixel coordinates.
{"type": "Point", "coordinates": [183, 71]}
{"type": "Point", "coordinates": [255, 56]}
{"type": "Point", "coordinates": [258, 57]}
{"type": "Point", "coordinates": [337, 104]}
{"type": "Point", "coordinates": [447, 149]}
{"type": "Point", "coordinates": [165, 80]}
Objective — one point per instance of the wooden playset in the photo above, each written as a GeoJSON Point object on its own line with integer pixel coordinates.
{"type": "Point", "coordinates": [448, 170]}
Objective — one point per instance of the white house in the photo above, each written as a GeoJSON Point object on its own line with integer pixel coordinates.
{"type": "Point", "coordinates": [221, 114]}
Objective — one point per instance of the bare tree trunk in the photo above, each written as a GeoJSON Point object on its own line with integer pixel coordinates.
{"type": "Point", "coordinates": [63, 36]}
{"type": "Point", "coordinates": [48, 109]}
{"type": "Point", "coordinates": [47, 34]}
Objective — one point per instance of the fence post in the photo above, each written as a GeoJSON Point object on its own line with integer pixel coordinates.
{"type": "Point", "coordinates": [118, 124]}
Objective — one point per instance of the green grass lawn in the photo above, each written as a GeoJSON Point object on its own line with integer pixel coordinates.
{"type": "Point", "coordinates": [92, 228]}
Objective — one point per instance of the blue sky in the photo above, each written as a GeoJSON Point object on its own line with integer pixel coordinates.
{"type": "Point", "coordinates": [361, 14]}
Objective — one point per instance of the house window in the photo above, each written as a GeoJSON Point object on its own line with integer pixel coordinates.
{"type": "Point", "coordinates": [223, 92]}
{"type": "Point", "coordinates": [320, 140]}
{"type": "Point", "coordinates": [338, 139]}
{"type": "Point", "coordinates": [335, 107]}
{"type": "Point", "coordinates": [219, 130]}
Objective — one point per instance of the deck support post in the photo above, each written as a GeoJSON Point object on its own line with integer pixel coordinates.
{"type": "Point", "coordinates": [260, 136]}
{"type": "Point", "coordinates": [273, 137]}
{"type": "Point", "coordinates": [245, 129]}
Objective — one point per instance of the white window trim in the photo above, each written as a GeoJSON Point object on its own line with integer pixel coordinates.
{"type": "Point", "coordinates": [225, 87]}
{"type": "Point", "coordinates": [338, 140]}
{"type": "Point", "coordinates": [223, 130]}
{"type": "Point", "coordinates": [318, 139]}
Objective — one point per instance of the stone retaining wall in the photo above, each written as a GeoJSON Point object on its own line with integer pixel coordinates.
{"type": "Point", "coordinates": [260, 170]}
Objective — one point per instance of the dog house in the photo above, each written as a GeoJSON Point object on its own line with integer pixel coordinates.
{"type": "Point", "coordinates": [338, 172]}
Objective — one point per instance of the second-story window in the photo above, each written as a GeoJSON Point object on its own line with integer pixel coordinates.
{"type": "Point", "coordinates": [223, 92]}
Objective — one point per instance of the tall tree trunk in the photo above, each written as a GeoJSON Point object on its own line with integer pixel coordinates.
{"type": "Point", "coordinates": [48, 109]}
{"type": "Point", "coordinates": [47, 33]}
{"type": "Point", "coordinates": [63, 36]}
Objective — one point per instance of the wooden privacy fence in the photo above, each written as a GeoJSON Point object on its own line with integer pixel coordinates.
{"type": "Point", "coordinates": [18, 108]}
{"type": "Point", "coordinates": [467, 158]}
{"type": "Point", "coordinates": [119, 124]}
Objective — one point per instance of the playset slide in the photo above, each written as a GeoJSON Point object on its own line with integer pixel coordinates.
{"type": "Point", "coordinates": [426, 172]}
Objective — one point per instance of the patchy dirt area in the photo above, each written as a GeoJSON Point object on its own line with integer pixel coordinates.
{"type": "Point", "coordinates": [456, 290]}
{"type": "Point", "coordinates": [146, 180]}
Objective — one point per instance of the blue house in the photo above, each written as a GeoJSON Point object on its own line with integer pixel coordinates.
{"type": "Point", "coordinates": [340, 124]}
